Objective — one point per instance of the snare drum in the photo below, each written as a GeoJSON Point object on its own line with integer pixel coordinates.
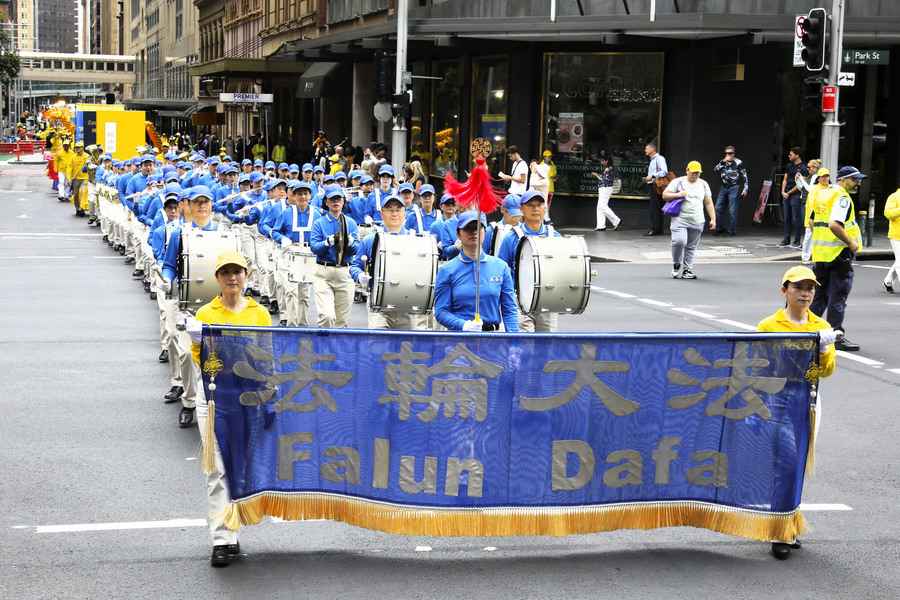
{"type": "Point", "coordinates": [301, 264]}
{"type": "Point", "coordinates": [404, 271]}
{"type": "Point", "coordinates": [553, 274]}
{"type": "Point", "coordinates": [200, 249]}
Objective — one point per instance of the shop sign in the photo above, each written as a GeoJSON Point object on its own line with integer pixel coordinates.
{"type": "Point", "coordinates": [245, 98]}
{"type": "Point", "coordinates": [570, 133]}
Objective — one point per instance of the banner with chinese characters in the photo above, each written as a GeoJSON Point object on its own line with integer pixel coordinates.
{"type": "Point", "coordinates": [463, 434]}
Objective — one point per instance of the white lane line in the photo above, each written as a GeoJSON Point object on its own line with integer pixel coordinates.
{"type": "Point", "coordinates": [824, 507]}
{"type": "Point", "coordinates": [653, 302]}
{"type": "Point", "coordinates": [736, 324]}
{"type": "Point", "coordinates": [15, 234]}
{"type": "Point", "coordinates": [82, 527]}
{"type": "Point", "coordinates": [695, 313]}
{"type": "Point", "coordinates": [894, 371]}
{"type": "Point", "coordinates": [873, 267]}
{"type": "Point", "coordinates": [39, 257]}
{"type": "Point", "coordinates": [618, 294]}
{"type": "Point", "coordinates": [423, 548]}
{"type": "Point", "coordinates": [490, 548]}
{"type": "Point", "coordinates": [860, 359]}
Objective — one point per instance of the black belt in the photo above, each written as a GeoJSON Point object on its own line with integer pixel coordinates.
{"type": "Point", "coordinates": [490, 326]}
{"type": "Point", "coordinates": [326, 263]}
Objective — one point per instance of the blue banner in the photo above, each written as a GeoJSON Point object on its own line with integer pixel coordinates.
{"type": "Point", "coordinates": [494, 434]}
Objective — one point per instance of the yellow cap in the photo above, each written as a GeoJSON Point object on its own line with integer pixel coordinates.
{"type": "Point", "coordinates": [822, 172]}
{"type": "Point", "coordinates": [230, 258]}
{"type": "Point", "coordinates": [795, 274]}
{"type": "Point", "coordinates": [547, 154]}
{"type": "Point", "coordinates": [79, 143]}
{"type": "Point", "coordinates": [694, 167]}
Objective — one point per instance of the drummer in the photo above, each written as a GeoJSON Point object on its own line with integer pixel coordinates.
{"type": "Point", "coordinates": [533, 207]}
{"type": "Point", "coordinates": [385, 188]}
{"type": "Point", "coordinates": [454, 305]}
{"type": "Point", "coordinates": [333, 239]}
{"type": "Point", "coordinates": [511, 215]}
{"type": "Point", "coordinates": [421, 218]}
{"type": "Point", "coordinates": [200, 218]}
{"type": "Point", "coordinates": [394, 214]}
{"type": "Point", "coordinates": [292, 228]}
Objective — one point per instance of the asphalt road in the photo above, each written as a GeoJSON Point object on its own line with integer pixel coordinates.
{"type": "Point", "coordinates": [85, 440]}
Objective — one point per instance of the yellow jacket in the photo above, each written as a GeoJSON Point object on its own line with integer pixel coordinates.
{"type": "Point", "coordinates": [75, 166]}
{"type": "Point", "coordinates": [215, 313]}
{"type": "Point", "coordinates": [551, 177]}
{"type": "Point", "coordinates": [892, 214]}
{"type": "Point", "coordinates": [62, 161]}
{"type": "Point", "coordinates": [279, 153]}
{"type": "Point", "coordinates": [258, 151]}
{"type": "Point", "coordinates": [780, 323]}
{"type": "Point", "coordinates": [817, 193]}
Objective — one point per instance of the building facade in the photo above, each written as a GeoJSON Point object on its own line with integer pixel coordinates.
{"type": "Point", "coordinates": [57, 25]}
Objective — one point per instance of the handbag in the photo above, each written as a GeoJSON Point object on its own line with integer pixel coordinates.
{"type": "Point", "coordinates": [662, 182]}
{"type": "Point", "coordinates": [672, 208]}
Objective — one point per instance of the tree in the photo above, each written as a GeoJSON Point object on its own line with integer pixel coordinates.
{"type": "Point", "coordinates": [9, 59]}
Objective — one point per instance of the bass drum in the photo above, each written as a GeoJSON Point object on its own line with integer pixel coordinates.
{"type": "Point", "coordinates": [200, 249]}
{"type": "Point", "coordinates": [500, 232]}
{"type": "Point", "coordinates": [404, 269]}
{"type": "Point", "coordinates": [553, 274]}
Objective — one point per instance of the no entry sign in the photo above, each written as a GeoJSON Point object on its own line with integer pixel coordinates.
{"type": "Point", "coordinates": [829, 98]}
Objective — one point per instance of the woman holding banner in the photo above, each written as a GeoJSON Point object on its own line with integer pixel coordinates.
{"type": "Point", "coordinates": [798, 286]}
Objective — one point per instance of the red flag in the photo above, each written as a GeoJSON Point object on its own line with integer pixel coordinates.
{"type": "Point", "coordinates": [477, 192]}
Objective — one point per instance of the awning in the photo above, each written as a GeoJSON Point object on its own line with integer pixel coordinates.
{"type": "Point", "coordinates": [312, 82]}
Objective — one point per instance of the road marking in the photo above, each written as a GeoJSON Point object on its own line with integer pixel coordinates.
{"type": "Point", "coordinates": [191, 458]}
{"type": "Point", "coordinates": [825, 507]}
{"type": "Point", "coordinates": [653, 302]}
{"type": "Point", "coordinates": [860, 359]}
{"type": "Point", "coordinates": [82, 527]}
{"type": "Point", "coordinates": [618, 294]}
{"type": "Point", "coordinates": [736, 324]}
{"type": "Point", "coordinates": [873, 267]}
{"type": "Point", "coordinates": [423, 548]}
{"type": "Point", "coordinates": [40, 257]}
{"type": "Point", "coordinates": [23, 216]}
{"type": "Point", "coordinates": [894, 371]}
{"type": "Point", "coordinates": [490, 548]}
{"type": "Point", "coordinates": [46, 234]}
{"type": "Point", "coordinates": [694, 313]}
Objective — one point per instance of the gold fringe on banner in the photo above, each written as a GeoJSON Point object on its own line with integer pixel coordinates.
{"type": "Point", "coordinates": [811, 445]}
{"type": "Point", "coordinates": [527, 521]}
{"type": "Point", "coordinates": [208, 458]}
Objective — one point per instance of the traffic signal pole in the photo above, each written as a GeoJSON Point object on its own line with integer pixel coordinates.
{"type": "Point", "coordinates": [831, 128]}
{"type": "Point", "coordinates": [398, 137]}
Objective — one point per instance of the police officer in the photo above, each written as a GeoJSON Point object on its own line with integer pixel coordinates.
{"type": "Point", "coordinates": [454, 305]}
{"type": "Point", "coordinates": [533, 210]}
{"type": "Point", "coordinates": [293, 227]}
{"type": "Point", "coordinates": [835, 242]}
{"type": "Point", "coordinates": [334, 241]}
{"type": "Point", "coordinates": [394, 214]}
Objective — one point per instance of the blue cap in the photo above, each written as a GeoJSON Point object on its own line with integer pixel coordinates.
{"type": "Point", "coordinates": [294, 168]}
{"type": "Point", "coordinates": [246, 161]}
{"type": "Point", "coordinates": [170, 177]}
{"type": "Point", "coordinates": [328, 179]}
{"type": "Point", "coordinates": [292, 185]}
{"type": "Point", "coordinates": [213, 161]}
{"type": "Point", "coordinates": [470, 217]}
{"type": "Point", "coordinates": [304, 185]}
{"type": "Point", "coordinates": [154, 177]}
{"type": "Point", "coordinates": [446, 198]}
{"type": "Point", "coordinates": [282, 165]}
{"type": "Point", "coordinates": [244, 178]}
{"type": "Point", "coordinates": [147, 158]}
{"type": "Point", "coordinates": [332, 191]}
{"type": "Point", "coordinates": [270, 164]}
{"type": "Point", "coordinates": [258, 162]}
{"type": "Point", "coordinates": [185, 194]}
{"type": "Point", "coordinates": [340, 175]}
{"type": "Point", "coordinates": [256, 176]}
{"type": "Point", "coordinates": [426, 189]}
{"type": "Point", "coordinates": [307, 167]}
{"type": "Point", "coordinates": [848, 172]}
{"type": "Point", "coordinates": [531, 195]}
{"type": "Point", "coordinates": [511, 204]}
{"type": "Point", "coordinates": [227, 158]}
{"type": "Point", "coordinates": [386, 170]}
{"type": "Point", "coordinates": [173, 190]}
{"type": "Point", "coordinates": [171, 155]}
{"type": "Point", "coordinates": [107, 156]}
{"type": "Point", "coordinates": [354, 174]}
{"type": "Point", "coordinates": [366, 178]}
{"type": "Point", "coordinates": [319, 169]}
{"type": "Point", "coordinates": [183, 165]}
{"type": "Point", "coordinates": [200, 191]}
{"type": "Point", "coordinates": [392, 198]}
{"type": "Point", "coordinates": [406, 187]}
{"type": "Point", "coordinates": [269, 185]}
{"type": "Point", "coordinates": [196, 158]}
{"type": "Point", "coordinates": [221, 169]}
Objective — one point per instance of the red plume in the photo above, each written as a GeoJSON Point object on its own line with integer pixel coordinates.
{"type": "Point", "coordinates": [477, 192]}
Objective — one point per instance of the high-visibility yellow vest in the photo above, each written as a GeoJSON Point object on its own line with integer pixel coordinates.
{"type": "Point", "coordinates": [825, 245]}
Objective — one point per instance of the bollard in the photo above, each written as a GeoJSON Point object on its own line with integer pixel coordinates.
{"type": "Point", "coordinates": [18, 152]}
{"type": "Point", "coordinates": [863, 217]}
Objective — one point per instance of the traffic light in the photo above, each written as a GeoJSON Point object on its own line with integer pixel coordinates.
{"type": "Point", "coordinates": [401, 103]}
{"type": "Point", "coordinates": [384, 77]}
{"type": "Point", "coordinates": [813, 37]}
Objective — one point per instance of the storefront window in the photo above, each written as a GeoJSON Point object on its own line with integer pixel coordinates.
{"type": "Point", "coordinates": [418, 119]}
{"type": "Point", "coordinates": [445, 117]}
{"type": "Point", "coordinates": [601, 103]}
{"type": "Point", "coordinates": [489, 98]}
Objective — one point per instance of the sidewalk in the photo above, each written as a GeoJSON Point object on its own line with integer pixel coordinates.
{"type": "Point", "coordinates": [755, 246]}
{"type": "Point", "coordinates": [25, 159]}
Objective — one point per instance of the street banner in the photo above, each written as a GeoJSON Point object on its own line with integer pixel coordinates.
{"type": "Point", "coordinates": [449, 434]}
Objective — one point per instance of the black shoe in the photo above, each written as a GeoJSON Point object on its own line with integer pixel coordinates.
{"type": "Point", "coordinates": [163, 356]}
{"type": "Point", "coordinates": [784, 243]}
{"type": "Point", "coordinates": [174, 394]}
{"type": "Point", "coordinates": [92, 220]}
{"type": "Point", "coordinates": [273, 307]}
{"type": "Point", "coordinates": [221, 558]}
{"type": "Point", "coordinates": [888, 287]}
{"type": "Point", "coordinates": [846, 345]}
{"type": "Point", "coordinates": [186, 418]}
{"type": "Point", "coordinates": [129, 260]}
{"type": "Point", "coordinates": [264, 300]}
{"type": "Point", "coordinates": [153, 295]}
{"type": "Point", "coordinates": [106, 239]}
{"type": "Point", "coordinates": [358, 298]}
{"type": "Point", "coordinates": [686, 273]}
{"type": "Point", "coordinates": [146, 286]}
{"type": "Point", "coordinates": [797, 545]}
{"type": "Point", "coordinates": [282, 323]}
{"type": "Point", "coordinates": [650, 233]}
{"type": "Point", "coordinates": [599, 228]}
{"type": "Point", "coordinates": [781, 551]}
{"type": "Point", "coordinates": [137, 274]}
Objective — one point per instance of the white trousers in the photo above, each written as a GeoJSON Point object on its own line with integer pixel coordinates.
{"type": "Point", "coordinates": [894, 272]}
{"type": "Point", "coordinates": [62, 187]}
{"type": "Point", "coordinates": [389, 319]}
{"type": "Point", "coordinates": [334, 295]}
{"type": "Point", "coordinates": [541, 322]}
{"type": "Point", "coordinates": [190, 372]}
{"type": "Point", "coordinates": [296, 309]}
{"type": "Point", "coordinates": [604, 212]}
{"type": "Point", "coordinates": [217, 496]}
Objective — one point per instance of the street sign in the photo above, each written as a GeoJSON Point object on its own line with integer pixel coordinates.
{"type": "Point", "coordinates": [870, 56]}
{"type": "Point", "coordinates": [798, 41]}
{"type": "Point", "coordinates": [245, 98]}
{"type": "Point", "coordinates": [829, 98]}
{"type": "Point", "coordinates": [847, 79]}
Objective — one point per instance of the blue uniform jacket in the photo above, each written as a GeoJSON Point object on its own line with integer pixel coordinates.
{"type": "Point", "coordinates": [454, 293]}
{"type": "Point", "coordinates": [292, 223]}
{"type": "Point", "coordinates": [421, 221]}
{"type": "Point", "coordinates": [374, 202]}
{"type": "Point", "coordinates": [270, 217]}
{"type": "Point", "coordinates": [326, 226]}
{"type": "Point", "coordinates": [445, 233]}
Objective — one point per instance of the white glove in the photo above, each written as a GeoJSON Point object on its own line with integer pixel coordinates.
{"type": "Point", "coordinates": [471, 326]}
{"type": "Point", "coordinates": [368, 220]}
{"type": "Point", "coordinates": [364, 279]}
{"type": "Point", "coordinates": [329, 241]}
{"type": "Point", "coordinates": [285, 241]}
{"type": "Point", "coordinates": [826, 338]}
{"type": "Point", "coordinates": [458, 244]}
{"type": "Point", "coordinates": [194, 328]}
{"type": "Point", "coordinates": [165, 286]}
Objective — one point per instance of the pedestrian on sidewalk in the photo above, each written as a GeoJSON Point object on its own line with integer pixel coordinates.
{"type": "Point", "coordinates": [792, 203]}
{"type": "Point", "coordinates": [518, 173]}
{"type": "Point", "coordinates": [735, 184]}
{"type": "Point", "coordinates": [836, 240]}
{"type": "Point", "coordinates": [687, 226]}
{"type": "Point", "coordinates": [605, 179]}
{"type": "Point", "coordinates": [892, 214]}
{"type": "Point", "coordinates": [656, 170]}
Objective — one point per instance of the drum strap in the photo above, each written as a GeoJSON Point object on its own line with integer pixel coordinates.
{"type": "Point", "coordinates": [309, 221]}
{"type": "Point", "coordinates": [341, 243]}
{"type": "Point", "coordinates": [418, 211]}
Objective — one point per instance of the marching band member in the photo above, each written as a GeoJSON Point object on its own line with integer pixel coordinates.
{"type": "Point", "coordinates": [533, 208]}
{"type": "Point", "coordinates": [246, 166]}
{"type": "Point", "coordinates": [168, 307]}
{"type": "Point", "coordinates": [511, 215]}
{"type": "Point", "coordinates": [294, 172]}
{"type": "Point", "coordinates": [407, 194]}
{"type": "Point", "coordinates": [385, 188]}
{"type": "Point", "coordinates": [454, 290]}
{"type": "Point", "coordinates": [283, 170]}
{"type": "Point", "coordinates": [294, 227]}
{"type": "Point", "coordinates": [259, 166]}
{"type": "Point", "coordinates": [200, 218]}
{"type": "Point", "coordinates": [444, 230]}
{"type": "Point", "coordinates": [334, 241]}
{"type": "Point", "coordinates": [421, 218]}
{"type": "Point", "coordinates": [394, 214]}
{"type": "Point", "coordinates": [277, 204]}
{"type": "Point", "coordinates": [230, 307]}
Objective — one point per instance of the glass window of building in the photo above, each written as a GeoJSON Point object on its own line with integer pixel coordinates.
{"type": "Point", "coordinates": [489, 98]}
{"type": "Point", "coordinates": [418, 118]}
{"type": "Point", "coordinates": [445, 115]}
{"type": "Point", "coordinates": [601, 103]}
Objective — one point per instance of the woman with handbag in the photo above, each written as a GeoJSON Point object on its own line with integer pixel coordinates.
{"type": "Point", "coordinates": [605, 178]}
{"type": "Point", "coordinates": [685, 198]}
